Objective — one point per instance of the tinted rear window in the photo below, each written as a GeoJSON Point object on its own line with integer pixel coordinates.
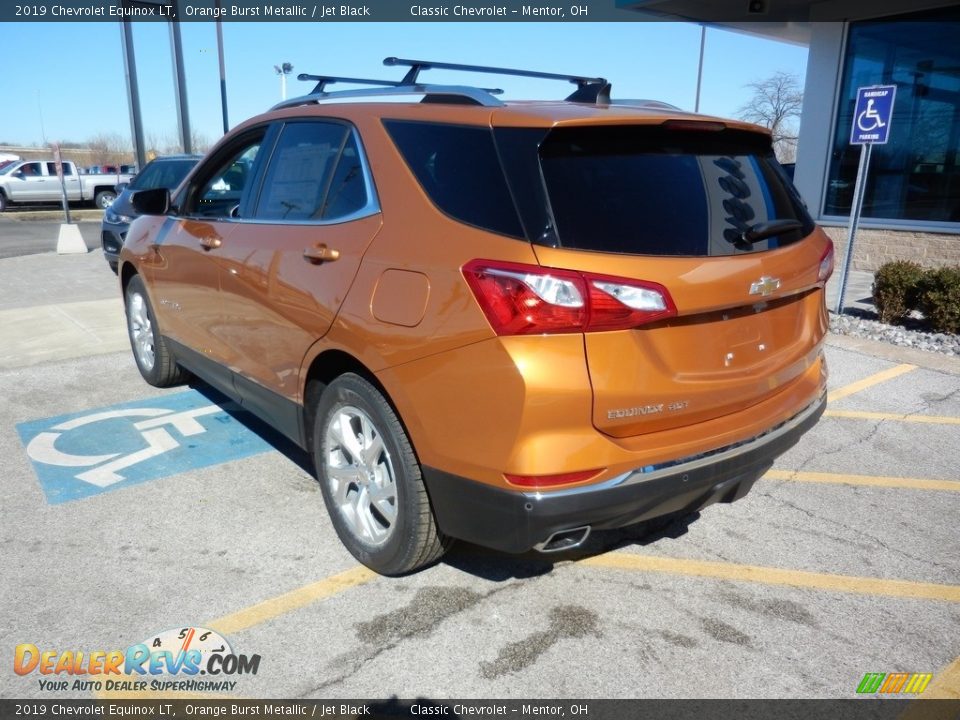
{"type": "Point", "coordinates": [458, 168]}
{"type": "Point", "coordinates": [654, 191]}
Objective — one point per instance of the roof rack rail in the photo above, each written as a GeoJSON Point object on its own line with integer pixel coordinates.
{"type": "Point", "coordinates": [324, 80]}
{"type": "Point", "coordinates": [455, 93]}
{"type": "Point", "coordinates": [589, 89]}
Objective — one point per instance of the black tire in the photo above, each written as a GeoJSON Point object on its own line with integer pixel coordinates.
{"type": "Point", "coordinates": [104, 198]}
{"type": "Point", "coordinates": [146, 340]}
{"type": "Point", "coordinates": [389, 545]}
{"type": "Point", "coordinates": [4, 203]}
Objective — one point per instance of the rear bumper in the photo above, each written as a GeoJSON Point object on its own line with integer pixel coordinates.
{"type": "Point", "coordinates": [514, 521]}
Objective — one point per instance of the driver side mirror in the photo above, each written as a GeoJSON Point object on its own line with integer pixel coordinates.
{"type": "Point", "coordinates": [151, 202]}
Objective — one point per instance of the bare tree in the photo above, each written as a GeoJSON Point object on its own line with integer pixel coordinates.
{"type": "Point", "coordinates": [776, 105]}
{"type": "Point", "coordinates": [110, 149]}
{"type": "Point", "coordinates": [169, 143]}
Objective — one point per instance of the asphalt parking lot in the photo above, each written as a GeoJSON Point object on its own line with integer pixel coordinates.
{"type": "Point", "coordinates": [844, 560]}
{"type": "Point", "coordinates": [33, 229]}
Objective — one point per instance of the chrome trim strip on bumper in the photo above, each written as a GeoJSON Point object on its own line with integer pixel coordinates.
{"type": "Point", "coordinates": [694, 462]}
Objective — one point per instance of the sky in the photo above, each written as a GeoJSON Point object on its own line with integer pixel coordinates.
{"type": "Point", "coordinates": [76, 94]}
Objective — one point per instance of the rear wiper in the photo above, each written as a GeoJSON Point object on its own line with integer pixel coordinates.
{"type": "Point", "coordinates": [763, 230]}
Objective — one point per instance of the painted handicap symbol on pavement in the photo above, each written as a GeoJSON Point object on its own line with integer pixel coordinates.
{"type": "Point", "coordinates": [83, 454]}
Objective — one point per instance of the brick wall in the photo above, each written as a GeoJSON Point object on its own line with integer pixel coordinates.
{"type": "Point", "coordinates": [872, 248]}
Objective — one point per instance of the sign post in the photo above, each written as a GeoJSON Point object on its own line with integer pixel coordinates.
{"type": "Point", "coordinates": [69, 239]}
{"type": "Point", "coordinates": [871, 125]}
{"type": "Point", "coordinates": [58, 160]}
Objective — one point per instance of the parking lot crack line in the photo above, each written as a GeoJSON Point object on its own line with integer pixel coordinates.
{"type": "Point", "coordinates": [873, 540]}
{"type": "Point", "coordinates": [871, 434]}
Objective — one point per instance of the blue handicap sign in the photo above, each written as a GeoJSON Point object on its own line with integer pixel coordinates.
{"type": "Point", "coordinates": [872, 115]}
{"type": "Point", "coordinates": [96, 451]}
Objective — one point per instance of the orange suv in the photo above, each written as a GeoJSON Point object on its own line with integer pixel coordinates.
{"type": "Point", "coordinates": [504, 322]}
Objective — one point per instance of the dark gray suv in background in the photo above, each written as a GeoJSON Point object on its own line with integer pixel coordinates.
{"type": "Point", "coordinates": [163, 172]}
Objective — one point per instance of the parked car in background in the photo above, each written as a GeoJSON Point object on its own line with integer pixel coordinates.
{"type": "Point", "coordinates": [7, 158]}
{"type": "Point", "coordinates": [163, 172]}
{"type": "Point", "coordinates": [36, 181]}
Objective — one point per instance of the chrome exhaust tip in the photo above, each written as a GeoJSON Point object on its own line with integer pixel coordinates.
{"type": "Point", "coordinates": [564, 540]}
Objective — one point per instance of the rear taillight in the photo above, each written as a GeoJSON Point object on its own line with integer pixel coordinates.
{"type": "Point", "coordinates": [540, 481]}
{"type": "Point", "coordinates": [826, 263]}
{"type": "Point", "coordinates": [523, 299]}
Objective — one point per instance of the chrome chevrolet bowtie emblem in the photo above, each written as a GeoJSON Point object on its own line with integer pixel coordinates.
{"type": "Point", "coordinates": [765, 286]}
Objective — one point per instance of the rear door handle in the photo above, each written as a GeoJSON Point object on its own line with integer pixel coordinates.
{"type": "Point", "coordinates": [211, 243]}
{"type": "Point", "coordinates": [321, 254]}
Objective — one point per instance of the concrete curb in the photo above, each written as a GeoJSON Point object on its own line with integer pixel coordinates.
{"type": "Point", "coordinates": [894, 353]}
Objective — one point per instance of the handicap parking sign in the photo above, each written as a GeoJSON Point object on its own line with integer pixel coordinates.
{"type": "Point", "coordinates": [103, 449]}
{"type": "Point", "coordinates": [872, 115]}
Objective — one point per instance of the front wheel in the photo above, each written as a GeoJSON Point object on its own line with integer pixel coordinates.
{"type": "Point", "coordinates": [371, 481]}
{"type": "Point", "coordinates": [4, 203]}
{"type": "Point", "coordinates": [150, 351]}
{"type": "Point", "coordinates": [104, 199]}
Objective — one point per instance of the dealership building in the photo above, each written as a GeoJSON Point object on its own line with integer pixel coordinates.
{"type": "Point", "coordinates": [911, 207]}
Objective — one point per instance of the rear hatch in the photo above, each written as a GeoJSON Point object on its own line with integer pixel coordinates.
{"type": "Point", "coordinates": [700, 214]}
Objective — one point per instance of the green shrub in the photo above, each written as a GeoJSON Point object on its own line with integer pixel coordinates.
{"type": "Point", "coordinates": [896, 288]}
{"type": "Point", "coordinates": [939, 299]}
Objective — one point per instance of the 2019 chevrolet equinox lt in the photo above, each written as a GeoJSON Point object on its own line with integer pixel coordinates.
{"type": "Point", "coordinates": [505, 322]}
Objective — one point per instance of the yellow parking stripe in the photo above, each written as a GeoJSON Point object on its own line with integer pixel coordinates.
{"type": "Point", "coordinates": [875, 379]}
{"type": "Point", "coordinates": [293, 600]}
{"type": "Point", "coordinates": [867, 480]}
{"type": "Point", "coordinates": [945, 686]}
{"type": "Point", "coordinates": [248, 618]}
{"type": "Point", "coordinates": [857, 415]}
{"type": "Point", "coordinates": [776, 576]}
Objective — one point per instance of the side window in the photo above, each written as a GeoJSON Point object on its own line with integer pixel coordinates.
{"type": "Point", "coordinates": [458, 168]}
{"type": "Point", "coordinates": [33, 169]}
{"type": "Point", "coordinates": [303, 171]}
{"type": "Point", "coordinates": [218, 191]}
{"type": "Point", "coordinates": [223, 192]}
{"type": "Point", "coordinates": [52, 169]}
{"type": "Point", "coordinates": [348, 190]}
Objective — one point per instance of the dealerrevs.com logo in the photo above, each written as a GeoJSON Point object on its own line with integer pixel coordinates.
{"type": "Point", "coordinates": [169, 661]}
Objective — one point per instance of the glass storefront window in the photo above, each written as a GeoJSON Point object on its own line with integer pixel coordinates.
{"type": "Point", "coordinates": [916, 175]}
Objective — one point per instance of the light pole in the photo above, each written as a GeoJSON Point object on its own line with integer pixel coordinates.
{"type": "Point", "coordinates": [283, 70]}
{"type": "Point", "coordinates": [703, 42]}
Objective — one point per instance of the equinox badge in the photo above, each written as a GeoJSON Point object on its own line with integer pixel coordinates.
{"type": "Point", "coordinates": [765, 286]}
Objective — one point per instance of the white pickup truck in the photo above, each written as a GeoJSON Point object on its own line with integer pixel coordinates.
{"type": "Point", "coordinates": [36, 181]}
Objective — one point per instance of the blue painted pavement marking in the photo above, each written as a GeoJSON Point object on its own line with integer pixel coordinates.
{"type": "Point", "coordinates": [96, 451]}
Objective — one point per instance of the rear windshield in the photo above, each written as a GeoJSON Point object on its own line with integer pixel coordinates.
{"type": "Point", "coordinates": [165, 174]}
{"type": "Point", "coordinates": [656, 191]}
